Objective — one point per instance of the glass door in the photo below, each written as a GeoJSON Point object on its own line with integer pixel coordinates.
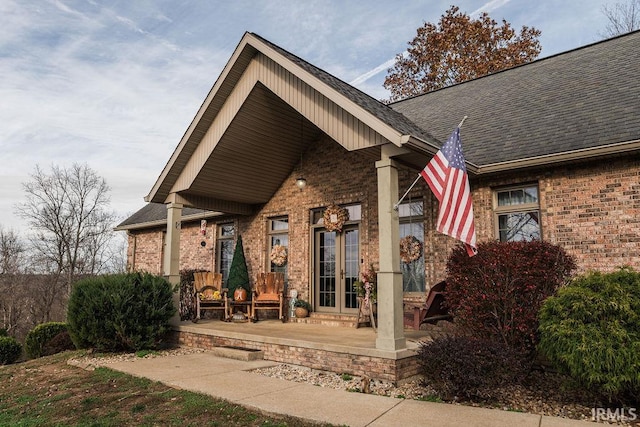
{"type": "Point", "coordinates": [337, 261]}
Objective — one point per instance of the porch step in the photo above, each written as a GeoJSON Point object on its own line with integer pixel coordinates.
{"type": "Point", "coordinates": [327, 319]}
{"type": "Point", "coordinates": [238, 353]}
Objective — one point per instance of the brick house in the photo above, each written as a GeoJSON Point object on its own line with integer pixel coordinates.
{"type": "Point", "coordinates": [552, 150]}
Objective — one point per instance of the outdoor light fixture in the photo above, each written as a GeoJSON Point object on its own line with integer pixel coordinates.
{"type": "Point", "coordinates": [301, 183]}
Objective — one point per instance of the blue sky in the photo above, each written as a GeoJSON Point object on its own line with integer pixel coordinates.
{"type": "Point", "coordinates": [115, 84]}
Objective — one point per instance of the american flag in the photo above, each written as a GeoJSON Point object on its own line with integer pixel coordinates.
{"type": "Point", "coordinates": [447, 177]}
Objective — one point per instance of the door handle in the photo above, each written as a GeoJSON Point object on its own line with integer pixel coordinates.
{"type": "Point", "coordinates": [341, 274]}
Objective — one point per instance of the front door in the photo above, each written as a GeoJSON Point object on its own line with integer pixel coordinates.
{"type": "Point", "coordinates": [336, 267]}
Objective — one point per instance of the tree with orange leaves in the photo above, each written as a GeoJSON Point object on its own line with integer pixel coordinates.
{"type": "Point", "coordinates": [458, 49]}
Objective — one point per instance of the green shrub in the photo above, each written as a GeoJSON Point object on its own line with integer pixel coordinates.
{"type": "Point", "coordinates": [467, 368]}
{"type": "Point", "coordinates": [10, 350]}
{"type": "Point", "coordinates": [497, 293]}
{"type": "Point", "coordinates": [304, 304]}
{"type": "Point", "coordinates": [120, 312]}
{"type": "Point", "coordinates": [3, 332]}
{"type": "Point", "coordinates": [39, 336]}
{"type": "Point", "coordinates": [591, 330]}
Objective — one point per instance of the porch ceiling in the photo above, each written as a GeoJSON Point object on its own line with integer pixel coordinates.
{"type": "Point", "coordinates": [258, 151]}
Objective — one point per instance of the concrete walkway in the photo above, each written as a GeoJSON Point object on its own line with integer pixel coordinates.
{"type": "Point", "coordinates": [232, 380]}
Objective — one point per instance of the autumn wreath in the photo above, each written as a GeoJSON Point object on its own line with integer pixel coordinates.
{"type": "Point", "coordinates": [410, 249]}
{"type": "Point", "coordinates": [335, 217]}
{"type": "Point", "coordinates": [279, 255]}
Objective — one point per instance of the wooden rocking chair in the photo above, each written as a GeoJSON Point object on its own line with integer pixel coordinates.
{"type": "Point", "coordinates": [432, 310]}
{"type": "Point", "coordinates": [209, 295]}
{"type": "Point", "coordinates": [268, 294]}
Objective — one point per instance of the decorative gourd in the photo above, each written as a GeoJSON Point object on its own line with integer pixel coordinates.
{"type": "Point", "coordinates": [240, 295]}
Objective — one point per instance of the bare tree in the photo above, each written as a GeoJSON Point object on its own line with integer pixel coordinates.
{"type": "Point", "coordinates": [67, 209]}
{"type": "Point", "coordinates": [11, 252]}
{"type": "Point", "coordinates": [623, 18]}
{"type": "Point", "coordinates": [13, 310]}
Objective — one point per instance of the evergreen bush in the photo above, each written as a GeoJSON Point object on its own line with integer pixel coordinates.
{"type": "Point", "coordinates": [39, 337]}
{"type": "Point", "coordinates": [467, 368]}
{"type": "Point", "coordinates": [10, 350]}
{"type": "Point", "coordinates": [238, 274]}
{"type": "Point", "coordinates": [497, 293]}
{"type": "Point", "coordinates": [591, 330]}
{"type": "Point", "coordinates": [3, 332]}
{"type": "Point", "coordinates": [120, 312]}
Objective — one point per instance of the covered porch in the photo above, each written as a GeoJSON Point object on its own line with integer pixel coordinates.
{"type": "Point", "coordinates": [317, 346]}
{"type": "Point", "coordinates": [269, 119]}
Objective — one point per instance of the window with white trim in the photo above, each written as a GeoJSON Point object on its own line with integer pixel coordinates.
{"type": "Point", "coordinates": [224, 249]}
{"type": "Point", "coordinates": [517, 211]}
{"type": "Point", "coordinates": [412, 224]}
{"type": "Point", "coordinates": [279, 235]}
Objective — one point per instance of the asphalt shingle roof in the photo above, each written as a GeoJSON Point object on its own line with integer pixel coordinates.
{"type": "Point", "coordinates": [584, 98]}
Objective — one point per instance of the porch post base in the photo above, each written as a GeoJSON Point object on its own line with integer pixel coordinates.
{"type": "Point", "coordinates": [390, 322]}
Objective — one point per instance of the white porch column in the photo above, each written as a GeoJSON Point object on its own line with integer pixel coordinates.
{"type": "Point", "coordinates": [171, 263]}
{"type": "Point", "coordinates": [390, 322]}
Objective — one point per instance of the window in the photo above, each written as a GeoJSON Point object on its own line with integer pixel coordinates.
{"type": "Point", "coordinates": [412, 224]}
{"type": "Point", "coordinates": [224, 249]}
{"type": "Point", "coordinates": [355, 214]}
{"type": "Point", "coordinates": [517, 213]}
{"type": "Point", "coordinates": [279, 235]}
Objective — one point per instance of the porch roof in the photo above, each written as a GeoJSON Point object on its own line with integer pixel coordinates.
{"type": "Point", "coordinates": [266, 107]}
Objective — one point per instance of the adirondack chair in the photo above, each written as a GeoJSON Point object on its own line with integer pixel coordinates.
{"type": "Point", "coordinates": [431, 311]}
{"type": "Point", "coordinates": [209, 295]}
{"type": "Point", "coordinates": [268, 294]}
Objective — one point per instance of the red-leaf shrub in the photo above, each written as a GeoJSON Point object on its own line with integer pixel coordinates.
{"type": "Point", "coordinates": [467, 368]}
{"type": "Point", "coordinates": [497, 293]}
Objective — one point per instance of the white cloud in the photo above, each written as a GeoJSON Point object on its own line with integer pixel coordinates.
{"type": "Point", "coordinates": [115, 84]}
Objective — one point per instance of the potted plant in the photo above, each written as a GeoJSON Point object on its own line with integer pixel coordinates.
{"type": "Point", "coordinates": [302, 308]}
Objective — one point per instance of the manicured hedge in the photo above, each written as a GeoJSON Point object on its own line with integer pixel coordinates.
{"type": "Point", "coordinates": [120, 312]}
{"type": "Point", "coordinates": [591, 330]}
{"type": "Point", "coordinates": [10, 350]}
{"type": "Point", "coordinates": [38, 338]}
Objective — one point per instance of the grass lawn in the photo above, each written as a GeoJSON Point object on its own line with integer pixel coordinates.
{"type": "Point", "coordinates": [49, 392]}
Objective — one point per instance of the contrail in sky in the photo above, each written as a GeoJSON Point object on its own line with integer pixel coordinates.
{"type": "Point", "coordinates": [487, 7]}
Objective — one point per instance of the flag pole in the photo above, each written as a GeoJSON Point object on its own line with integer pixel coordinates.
{"type": "Point", "coordinates": [395, 207]}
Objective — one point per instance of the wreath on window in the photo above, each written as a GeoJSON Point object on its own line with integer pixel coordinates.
{"type": "Point", "coordinates": [410, 249]}
{"type": "Point", "coordinates": [279, 255]}
{"type": "Point", "coordinates": [334, 218]}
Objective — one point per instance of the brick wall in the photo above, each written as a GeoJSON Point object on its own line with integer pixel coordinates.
{"type": "Point", "coordinates": [591, 210]}
{"type": "Point", "coordinates": [392, 370]}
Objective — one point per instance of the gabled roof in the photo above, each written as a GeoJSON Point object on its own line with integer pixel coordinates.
{"type": "Point", "coordinates": [581, 103]}
{"type": "Point", "coordinates": [575, 105]}
{"type": "Point", "coordinates": [251, 120]}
